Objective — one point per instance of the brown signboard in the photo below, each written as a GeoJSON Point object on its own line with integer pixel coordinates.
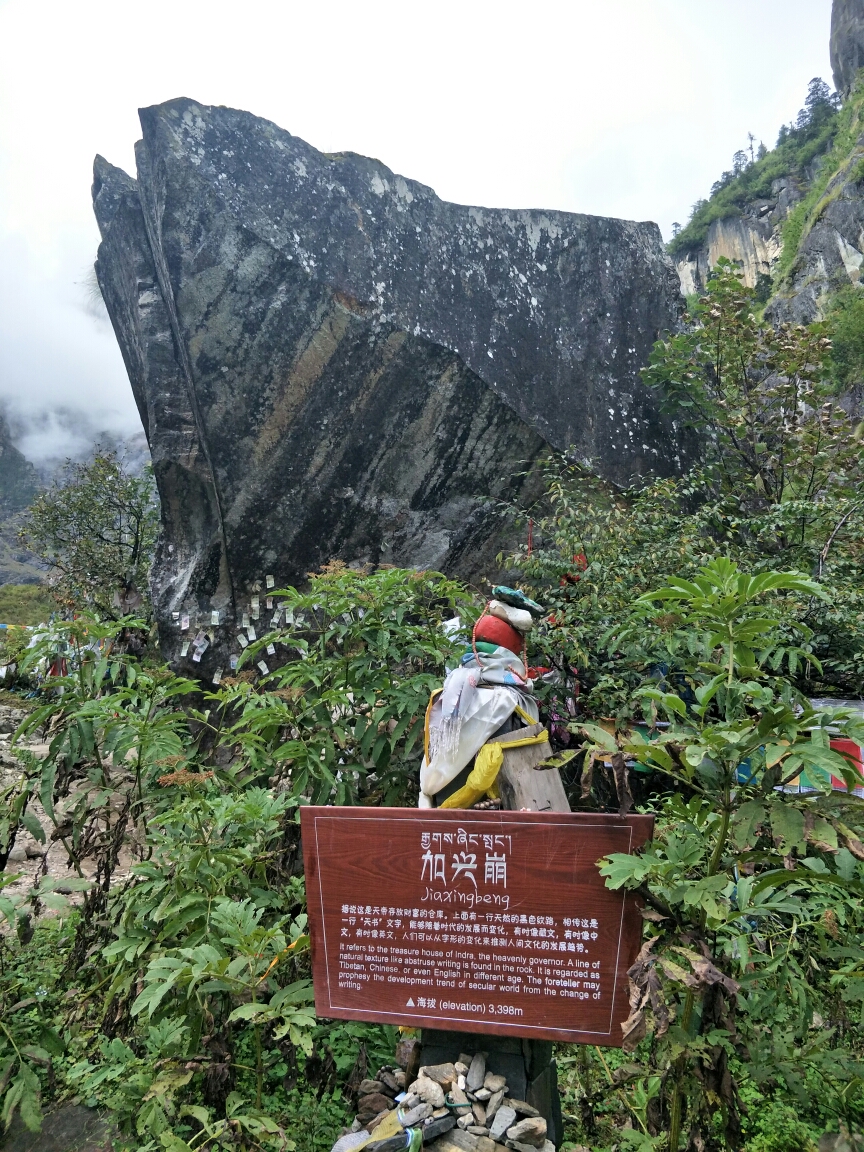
{"type": "Point", "coordinates": [471, 921]}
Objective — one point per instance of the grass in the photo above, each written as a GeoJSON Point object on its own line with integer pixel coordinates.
{"type": "Point", "coordinates": [25, 604]}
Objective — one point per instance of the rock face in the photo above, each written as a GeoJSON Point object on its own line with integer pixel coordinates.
{"type": "Point", "coordinates": [19, 481]}
{"type": "Point", "coordinates": [329, 361]}
{"type": "Point", "coordinates": [847, 42]}
{"type": "Point", "coordinates": [19, 486]}
{"type": "Point", "coordinates": [831, 252]}
{"type": "Point", "coordinates": [752, 240]}
{"type": "Point", "coordinates": [70, 1128]}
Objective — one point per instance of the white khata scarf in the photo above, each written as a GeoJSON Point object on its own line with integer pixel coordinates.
{"type": "Point", "coordinates": [499, 668]}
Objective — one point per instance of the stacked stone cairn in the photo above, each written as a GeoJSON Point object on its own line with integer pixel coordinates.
{"type": "Point", "coordinates": [456, 1107]}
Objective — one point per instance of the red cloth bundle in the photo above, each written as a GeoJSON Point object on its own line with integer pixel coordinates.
{"type": "Point", "coordinates": [494, 631]}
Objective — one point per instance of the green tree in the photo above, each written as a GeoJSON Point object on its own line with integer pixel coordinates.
{"type": "Point", "coordinates": [812, 134]}
{"type": "Point", "coordinates": [777, 487]}
{"type": "Point", "coordinates": [753, 876]}
{"type": "Point", "coordinates": [774, 435]}
{"type": "Point", "coordinates": [96, 529]}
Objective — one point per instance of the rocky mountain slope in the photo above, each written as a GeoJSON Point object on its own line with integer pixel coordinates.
{"type": "Point", "coordinates": [19, 480]}
{"type": "Point", "coordinates": [330, 361]}
{"type": "Point", "coordinates": [823, 239]}
{"type": "Point", "coordinates": [19, 483]}
{"type": "Point", "coordinates": [793, 219]}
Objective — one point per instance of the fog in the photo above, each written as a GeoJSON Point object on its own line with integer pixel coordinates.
{"type": "Point", "coordinates": [621, 108]}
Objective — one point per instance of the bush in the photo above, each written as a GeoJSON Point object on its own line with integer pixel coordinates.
{"type": "Point", "coordinates": [846, 326]}
{"type": "Point", "coordinates": [777, 487]}
{"type": "Point", "coordinates": [189, 1013]}
{"type": "Point", "coordinates": [342, 720]}
{"type": "Point", "coordinates": [777, 1128]}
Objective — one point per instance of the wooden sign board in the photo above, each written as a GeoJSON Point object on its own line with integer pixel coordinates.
{"type": "Point", "coordinates": [471, 921]}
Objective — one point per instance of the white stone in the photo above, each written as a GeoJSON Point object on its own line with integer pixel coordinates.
{"type": "Point", "coordinates": [504, 1118]}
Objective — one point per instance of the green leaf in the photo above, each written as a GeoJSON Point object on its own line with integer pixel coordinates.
{"type": "Point", "coordinates": [23, 1094]}
{"type": "Point", "coordinates": [33, 826]}
{"type": "Point", "coordinates": [51, 1040]}
{"type": "Point", "coordinates": [599, 736]}
{"type": "Point", "coordinates": [172, 1143]}
{"type": "Point", "coordinates": [55, 901]}
{"type": "Point", "coordinates": [202, 1115]}
{"type": "Point", "coordinates": [774, 753]}
{"type": "Point", "coordinates": [559, 760]}
{"type": "Point", "coordinates": [620, 868]}
{"type": "Point", "coordinates": [672, 970]}
{"type": "Point", "coordinates": [823, 834]}
{"type": "Point", "coordinates": [300, 992]}
{"type": "Point", "coordinates": [153, 995]}
{"type": "Point", "coordinates": [846, 864]}
{"type": "Point", "coordinates": [787, 825]}
{"type": "Point", "coordinates": [746, 821]}
{"type": "Point", "coordinates": [781, 876]}
{"type": "Point", "coordinates": [73, 883]}
{"type": "Point", "coordinates": [251, 1011]}
{"type": "Point", "coordinates": [7, 1063]}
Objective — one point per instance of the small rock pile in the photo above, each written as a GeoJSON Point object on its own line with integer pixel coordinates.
{"type": "Point", "coordinates": [456, 1107]}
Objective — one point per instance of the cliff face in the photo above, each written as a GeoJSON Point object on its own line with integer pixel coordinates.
{"type": "Point", "coordinates": [828, 243]}
{"type": "Point", "coordinates": [805, 241]}
{"type": "Point", "coordinates": [814, 206]}
{"type": "Point", "coordinates": [329, 361]}
{"type": "Point", "coordinates": [751, 240]}
{"type": "Point", "coordinates": [19, 485]}
{"type": "Point", "coordinates": [19, 481]}
{"type": "Point", "coordinates": [847, 42]}
{"type": "Point", "coordinates": [829, 239]}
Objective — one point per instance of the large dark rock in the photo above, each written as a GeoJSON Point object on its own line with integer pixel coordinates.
{"type": "Point", "coordinates": [329, 361]}
{"type": "Point", "coordinates": [69, 1128]}
{"type": "Point", "coordinates": [847, 42]}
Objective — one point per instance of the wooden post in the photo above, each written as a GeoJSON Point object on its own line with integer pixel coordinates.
{"type": "Point", "coordinates": [522, 783]}
{"type": "Point", "coordinates": [527, 1064]}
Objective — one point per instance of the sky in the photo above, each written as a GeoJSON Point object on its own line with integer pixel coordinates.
{"type": "Point", "coordinates": [627, 108]}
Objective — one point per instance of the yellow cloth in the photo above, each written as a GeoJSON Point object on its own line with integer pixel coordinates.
{"type": "Point", "coordinates": [388, 1127]}
{"type": "Point", "coordinates": [484, 775]}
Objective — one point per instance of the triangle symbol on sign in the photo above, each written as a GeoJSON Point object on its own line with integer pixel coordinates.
{"type": "Point", "coordinates": [410, 1004]}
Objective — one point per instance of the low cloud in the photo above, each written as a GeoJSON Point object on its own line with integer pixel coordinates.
{"type": "Point", "coordinates": [64, 384]}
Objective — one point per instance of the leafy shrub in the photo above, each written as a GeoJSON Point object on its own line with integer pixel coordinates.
{"type": "Point", "coordinates": [190, 987]}
{"type": "Point", "coordinates": [754, 870]}
{"type": "Point", "coordinates": [846, 327]}
{"type": "Point", "coordinates": [776, 486]}
{"type": "Point", "coordinates": [343, 718]}
{"type": "Point", "coordinates": [778, 1129]}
